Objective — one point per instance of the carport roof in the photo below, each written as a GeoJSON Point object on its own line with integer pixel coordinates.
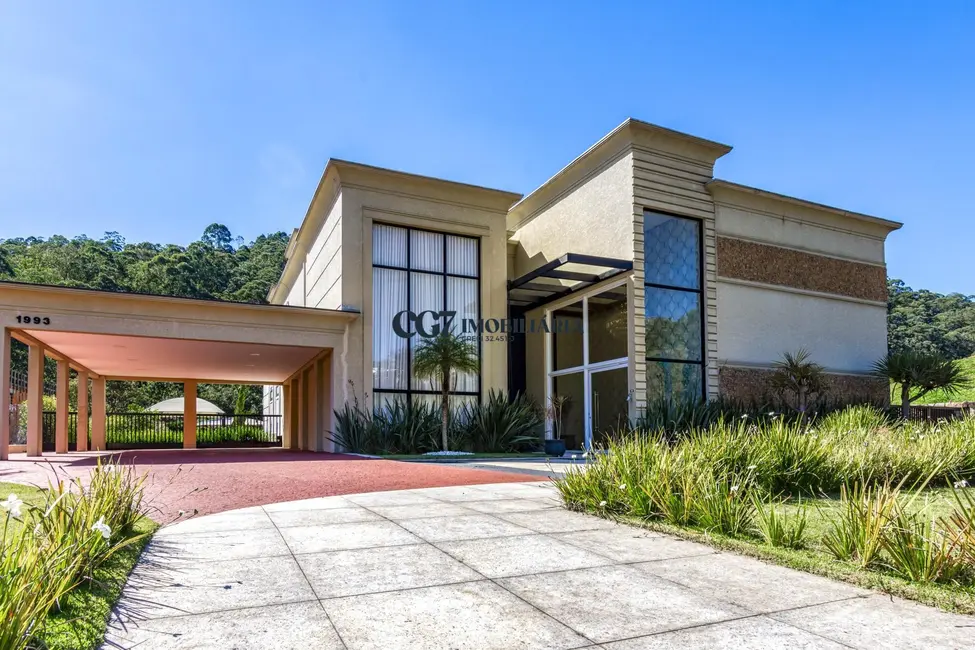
{"type": "Point", "coordinates": [139, 336]}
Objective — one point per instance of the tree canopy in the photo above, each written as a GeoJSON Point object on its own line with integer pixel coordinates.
{"type": "Point", "coordinates": [927, 322]}
{"type": "Point", "coordinates": [217, 266]}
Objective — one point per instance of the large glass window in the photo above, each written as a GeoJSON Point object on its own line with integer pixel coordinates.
{"type": "Point", "coordinates": [673, 298]}
{"type": "Point", "coordinates": [416, 271]}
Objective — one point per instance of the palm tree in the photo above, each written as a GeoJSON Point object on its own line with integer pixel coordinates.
{"type": "Point", "coordinates": [919, 373]}
{"type": "Point", "coordinates": [796, 374]}
{"type": "Point", "coordinates": [437, 359]}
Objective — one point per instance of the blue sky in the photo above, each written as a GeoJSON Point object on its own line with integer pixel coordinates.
{"type": "Point", "coordinates": [156, 119]}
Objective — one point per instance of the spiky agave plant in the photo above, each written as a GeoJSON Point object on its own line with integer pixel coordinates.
{"type": "Point", "coordinates": [919, 373]}
{"type": "Point", "coordinates": [439, 358]}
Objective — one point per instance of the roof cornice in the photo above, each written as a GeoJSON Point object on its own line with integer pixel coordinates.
{"type": "Point", "coordinates": [631, 133]}
{"type": "Point", "coordinates": [343, 173]}
{"type": "Point", "coordinates": [747, 196]}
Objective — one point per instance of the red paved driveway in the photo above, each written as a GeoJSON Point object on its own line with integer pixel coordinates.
{"type": "Point", "coordinates": [213, 480]}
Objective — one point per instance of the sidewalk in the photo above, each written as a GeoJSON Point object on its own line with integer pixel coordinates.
{"type": "Point", "coordinates": [497, 566]}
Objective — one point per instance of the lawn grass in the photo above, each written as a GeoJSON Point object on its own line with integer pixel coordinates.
{"type": "Point", "coordinates": [939, 396]}
{"type": "Point", "coordinates": [27, 493]}
{"type": "Point", "coordinates": [80, 623]}
{"type": "Point", "coordinates": [816, 560]}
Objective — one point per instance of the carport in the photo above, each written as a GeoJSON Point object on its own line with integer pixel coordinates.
{"type": "Point", "coordinates": [105, 335]}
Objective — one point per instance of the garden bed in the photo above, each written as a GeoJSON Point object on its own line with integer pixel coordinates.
{"type": "Point", "coordinates": [853, 496]}
{"type": "Point", "coordinates": [66, 553]}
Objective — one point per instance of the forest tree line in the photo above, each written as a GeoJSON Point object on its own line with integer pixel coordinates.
{"type": "Point", "coordinates": [221, 266]}
{"type": "Point", "coordinates": [217, 266]}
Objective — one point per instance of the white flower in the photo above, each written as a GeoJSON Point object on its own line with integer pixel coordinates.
{"type": "Point", "coordinates": [744, 416]}
{"type": "Point", "coordinates": [602, 504]}
{"type": "Point", "coordinates": [622, 486]}
{"type": "Point", "coordinates": [771, 414]}
{"type": "Point", "coordinates": [960, 484]}
{"type": "Point", "coordinates": [12, 505]}
{"type": "Point", "coordinates": [101, 527]}
{"type": "Point", "coordinates": [734, 488]}
{"type": "Point", "coordinates": [574, 456]}
{"type": "Point", "coordinates": [752, 466]}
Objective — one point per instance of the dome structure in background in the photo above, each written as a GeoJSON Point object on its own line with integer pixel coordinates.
{"type": "Point", "coordinates": [175, 406]}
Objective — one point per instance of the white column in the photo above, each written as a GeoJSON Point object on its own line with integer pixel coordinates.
{"type": "Point", "coordinates": [313, 429]}
{"type": "Point", "coordinates": [286, 416]}
{"type": "Point", "coordinates": [61, 397]}
{"type": "Point", "coordinates": [189, 415]}
{"type": "Point", "coordinates": [35, 400]}
{"type": "Point", "coordinates": [98, 414]}
{"type": "Point", "coordinates": [5, 389]}
{"type": "Point", "coordinates": [82, 435]}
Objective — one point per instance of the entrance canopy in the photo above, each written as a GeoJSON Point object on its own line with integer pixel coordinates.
{"type": "Point", "coordinates": [105, 335]}
{"type": "Point", "coordinates": [161, 359]}
{"type": "Point", "coordinates": [562, 276]}
{"type": "Point", "coordinates": [160, 338]}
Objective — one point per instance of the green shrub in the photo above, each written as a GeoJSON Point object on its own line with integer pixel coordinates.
{"type": "Point", "coordinates": [778, 528]}
{"type": "Point", "coordinates": [865, 512]}
{"type": "Point", "coordinates": [407, 429]}
{"type": "Point", "coordinates": [722, 505]}
{"type": "Point", "coordinates": [918, 550]}
{"type": "Point", "coordinates": [502, 424]}
{"type": "Point", "coordinates": [353, 429]}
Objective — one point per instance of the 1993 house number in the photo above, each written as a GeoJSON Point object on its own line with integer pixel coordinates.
{"type": "Point", "coordinates": [33, 320]}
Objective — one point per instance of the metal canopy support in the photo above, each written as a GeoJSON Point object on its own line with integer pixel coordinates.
{"type": "Point", "coordinates": [553, 271]}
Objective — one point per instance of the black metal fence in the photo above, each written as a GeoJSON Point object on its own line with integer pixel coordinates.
{"type": "Point", "coordinates": [935, 413]}
{"type": "Point", "coordinates": [165, 431]}
{"type": "Point", "coordinates": [49, 426]}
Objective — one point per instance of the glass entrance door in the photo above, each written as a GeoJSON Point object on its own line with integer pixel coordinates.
{"type": "Point", "coordinates": [588, 365]}
{"type": "Point", "coordinates": [610, 403]}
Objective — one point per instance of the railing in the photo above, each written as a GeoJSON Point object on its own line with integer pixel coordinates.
{"type": "Point", "coordinates": [49, 426]}
{"type": "Point", "coordinates": [165, 430]}
{"type": "Point", "coordinates": [935, 413]}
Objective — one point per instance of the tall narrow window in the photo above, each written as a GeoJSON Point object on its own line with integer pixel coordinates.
{"type": "Point", "coordinates": [417, 271]}
{"type": "Point", "coordinates": [674, 299]}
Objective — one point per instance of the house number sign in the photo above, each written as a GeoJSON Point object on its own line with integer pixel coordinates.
{"type": "Point", "coordinates": [33, 320]}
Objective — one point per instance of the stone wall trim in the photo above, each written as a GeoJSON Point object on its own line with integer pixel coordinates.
{"type": "Point", "coordinates": [752, 385]}
{"type": "Point", "coordinates": [745, 260]}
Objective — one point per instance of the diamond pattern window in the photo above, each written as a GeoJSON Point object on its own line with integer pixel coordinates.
{"type": "Point", "coordinates": [673, 306]}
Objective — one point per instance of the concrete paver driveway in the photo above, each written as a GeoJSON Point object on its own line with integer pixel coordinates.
{"type": "Point", "coordinates": [492, 566]}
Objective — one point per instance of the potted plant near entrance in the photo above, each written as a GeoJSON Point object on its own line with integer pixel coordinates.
{"type": "Point", "coordinates": [555, 446]}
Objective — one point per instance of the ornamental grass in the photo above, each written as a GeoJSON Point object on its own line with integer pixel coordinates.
{"type": "Point", "coordinates": [741, 478]}
{"type": "Point", "coordinates": [50, 549]}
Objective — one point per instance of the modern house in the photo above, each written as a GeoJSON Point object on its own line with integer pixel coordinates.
{"type": "Point", "coordinates": [631, 275]}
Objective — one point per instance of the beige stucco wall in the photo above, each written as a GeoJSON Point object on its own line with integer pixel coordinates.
{"type": "Point", "coordinates": [760, 320]}
{"type": "Point", "coordinates": [323, 268]}
{"type": "Point", "coordinates": [758, 324]}
{"type": "Point", "coordinates": [333, 255]}
{"type": "Point", "coordinates": [802, 227]}
{"type": "Point", "coordinates": [593, 217]}
{"type": "Point", "coordinates": [596, 206]}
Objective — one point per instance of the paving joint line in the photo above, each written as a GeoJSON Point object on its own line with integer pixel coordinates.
{"type": "Point", "coordinates": [310, 585]}
{"type": "Point", "coordinates": [502, 587]}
